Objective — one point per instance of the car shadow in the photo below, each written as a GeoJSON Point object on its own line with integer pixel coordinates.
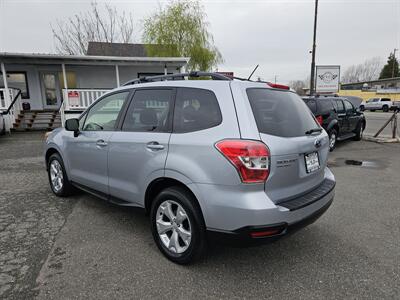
{"type": "Point", "coordinates": [315, 243]}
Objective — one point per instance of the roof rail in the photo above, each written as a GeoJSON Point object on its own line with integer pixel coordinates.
{"type": "Point", "coordinates": [177, 76]}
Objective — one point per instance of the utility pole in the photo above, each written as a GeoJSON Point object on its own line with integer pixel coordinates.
{"type": "Point", "coordinates": [312, 79]}
{"type": "Point", "coordinates": [394, 61]}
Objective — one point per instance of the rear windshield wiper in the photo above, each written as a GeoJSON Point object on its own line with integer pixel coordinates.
{"type": "Point", "coordinates": [311, 131]}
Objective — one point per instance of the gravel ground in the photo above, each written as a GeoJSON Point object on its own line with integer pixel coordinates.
{"type": "Point", "coordinates": [83, 247]}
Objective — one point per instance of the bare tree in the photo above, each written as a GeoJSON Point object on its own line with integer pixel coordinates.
{"type": "Point", "coordinates": [367, 71]}
{"type": "Point", "coordinates": [97, 25]}
{"type": "Point", "coordinates": [300, 85]}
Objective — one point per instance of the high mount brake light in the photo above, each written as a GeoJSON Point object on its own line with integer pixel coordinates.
{"type": "Point", "coordinates": [250, 158]}
{"type": "Point", "coordinates": [278, 86]}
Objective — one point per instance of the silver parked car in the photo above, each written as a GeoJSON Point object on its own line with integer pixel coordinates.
{"type": "Point", "coordinates": [235, 161]}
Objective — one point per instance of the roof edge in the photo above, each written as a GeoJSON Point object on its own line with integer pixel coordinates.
{"type": "Point", "coordinates": [371, 81]}
{"type": "Point", "coordinates": [91, 57]}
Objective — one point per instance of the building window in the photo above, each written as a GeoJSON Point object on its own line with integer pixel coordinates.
{"type": "Point", "coordinates": [17, 80]}
{"type": "Point", "coordinates": [71, 80]}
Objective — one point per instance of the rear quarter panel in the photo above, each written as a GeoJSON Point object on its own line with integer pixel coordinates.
{"type": "Point", "coordinates": [193, 157]}
{"type": "Point", "coordinates": [248, 125]}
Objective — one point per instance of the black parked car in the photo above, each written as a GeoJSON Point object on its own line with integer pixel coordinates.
{"type": "Point", "coordinates": [338, 117]}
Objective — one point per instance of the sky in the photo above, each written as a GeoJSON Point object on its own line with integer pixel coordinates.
{"type": "Point", "coordinates": [277, 35]}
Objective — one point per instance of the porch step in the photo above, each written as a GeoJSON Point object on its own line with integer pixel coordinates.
{"type": "Point", "coordinates": [37, 120]}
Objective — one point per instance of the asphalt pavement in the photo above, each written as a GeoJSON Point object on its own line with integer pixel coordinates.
{"type": "Point", "coordinates": [85, 248]}
{"type": "Point", "coordinates": [30, 215]}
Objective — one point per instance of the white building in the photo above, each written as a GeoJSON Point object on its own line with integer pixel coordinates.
{"type": "Point", "coordinates": [49, 82]}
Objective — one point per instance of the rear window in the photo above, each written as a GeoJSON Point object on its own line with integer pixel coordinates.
{"type": "Point", "coordinates": [312, 105]}
{"type": "Point", "coordinates": [280, 113]}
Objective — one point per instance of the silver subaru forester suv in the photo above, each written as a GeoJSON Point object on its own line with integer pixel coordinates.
{"type": "Point", "coordinates": [235, 161]}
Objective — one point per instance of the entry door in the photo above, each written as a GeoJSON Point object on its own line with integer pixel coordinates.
{"type": "Point", "coordinates": [51, 90]}
{"type": "Point", "coordinates": [87, 153]}
{"type": "Point", "coordinates": [138, 152]}
{"type": "Point", "coordinates": [352, 116]}
{"type": "Point", "coordinates": [342, 117]}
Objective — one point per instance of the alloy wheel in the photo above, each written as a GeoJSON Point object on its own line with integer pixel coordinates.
{"type": "Point", "coordinates": [56, 175]}
{"type": "Point", "coordinates": [173, 226]}
{"type": "Point", "coordinates": [332, 140]}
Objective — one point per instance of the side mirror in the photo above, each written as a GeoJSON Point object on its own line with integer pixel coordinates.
{"type": "Point", "coordinates": [72, 125]}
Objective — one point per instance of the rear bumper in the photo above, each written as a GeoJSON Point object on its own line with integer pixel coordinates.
{"type": "Point", "coordinates": [242, 237]}
{"type": "Point", "coordinates": [233, 215]}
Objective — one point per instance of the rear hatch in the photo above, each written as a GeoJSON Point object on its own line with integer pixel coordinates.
{"type": "Point", "coordinates": [298, 145]}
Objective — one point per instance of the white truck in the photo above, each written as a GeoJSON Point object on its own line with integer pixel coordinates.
{"type": "Point", "coordinates": [384, 104]}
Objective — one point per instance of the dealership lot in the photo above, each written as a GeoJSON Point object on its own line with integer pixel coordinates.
{"type": "Point", "coordinates": [82, 247]}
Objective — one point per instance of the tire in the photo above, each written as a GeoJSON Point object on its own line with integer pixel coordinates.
{"type": "Point", "coordinates": [359, 131]}
{"type": "Point", "coordinates": [362, 107]}
{"type": "Point", "coordinates": [332, 139]}
{"type": "Point", "coordinates": [385, 108]}
{"type": "Point", "coordinates": [58, 179]}
{"type": "Point", "coordinates": [164, 207]}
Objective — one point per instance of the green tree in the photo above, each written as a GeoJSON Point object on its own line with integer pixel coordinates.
{"type": "Point", "coordinates": [387, 70]}
{"type": "Point", "coordinates": [180, 29]}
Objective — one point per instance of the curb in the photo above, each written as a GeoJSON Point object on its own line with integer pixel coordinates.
{"type": "Point", "coordinates": [381, 139]}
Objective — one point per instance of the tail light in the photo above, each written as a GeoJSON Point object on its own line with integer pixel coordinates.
{"type": "Point", "coordinates": [319, 119]}
{"type": "Point", "coordinates": [250, 158]}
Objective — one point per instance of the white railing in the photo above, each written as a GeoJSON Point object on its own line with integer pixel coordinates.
{"type": "Point", "coordinates": [78, 100]}
{"type": "Point", "coordinates": [6, 98]}
{"type": "Point", "coordinates": [4, 102]}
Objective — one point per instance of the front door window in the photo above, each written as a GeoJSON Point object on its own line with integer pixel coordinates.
{"type": "Point", "coordinates": [103, 115]}
{"type": "Point", "coordinates": [51, 89]}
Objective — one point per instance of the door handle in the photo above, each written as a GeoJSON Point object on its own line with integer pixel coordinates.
{"type": "Point", "coordinates": [154, 146]}
{"type": "Point", "coordinates": [101, 143]}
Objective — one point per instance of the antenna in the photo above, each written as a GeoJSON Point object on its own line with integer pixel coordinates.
{"type": "Point", "coordinates": [252, 72]}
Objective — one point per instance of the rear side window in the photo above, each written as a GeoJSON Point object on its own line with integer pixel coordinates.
{"type": "Point", "coordinates": [280, 113]}
{"type": "Point", "coordinates": [149, 110]}
{"type": "Point", "coordinates": [325, 106]}
{"type": "Point", "coordinates": [195, 109]}
{"type": "Point", "coordinates": [312, 105]}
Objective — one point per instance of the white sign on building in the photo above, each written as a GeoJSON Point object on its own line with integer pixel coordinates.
{"type": "Point", "coordinates": [327, 79]}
